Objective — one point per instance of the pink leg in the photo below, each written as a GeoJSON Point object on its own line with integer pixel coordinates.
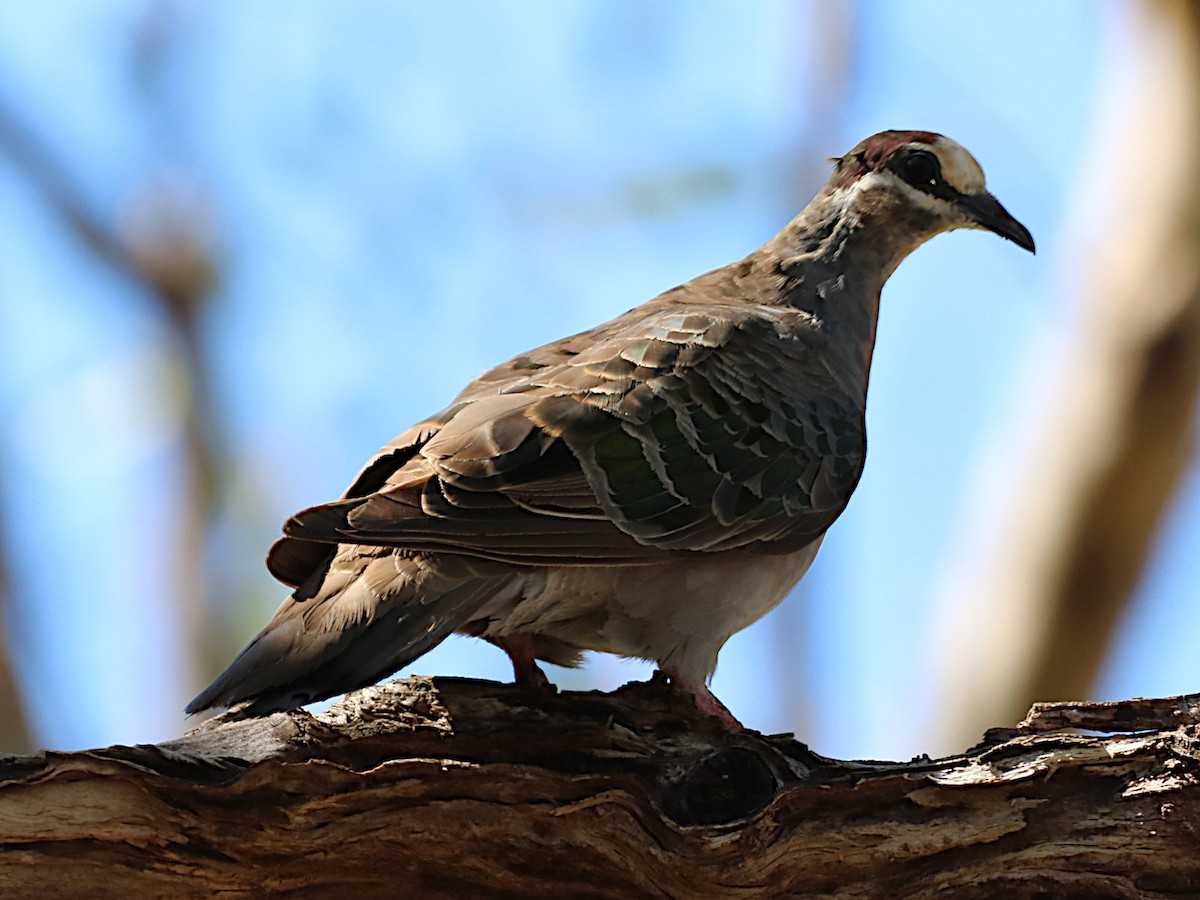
{"type": "Point", "coordinates": [519, 648]}
{"type": "Point", "coordinates": [705, 701]}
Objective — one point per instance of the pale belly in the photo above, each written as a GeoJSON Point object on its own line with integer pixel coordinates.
{"type": "Point", "coordinates": [678, 613]}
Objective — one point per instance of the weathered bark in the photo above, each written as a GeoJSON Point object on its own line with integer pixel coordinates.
{"type": "Point", "coordinates": [456, 788]}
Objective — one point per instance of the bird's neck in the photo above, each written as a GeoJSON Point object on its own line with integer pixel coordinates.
{"type": "Point", "coordinates": [834, 259]}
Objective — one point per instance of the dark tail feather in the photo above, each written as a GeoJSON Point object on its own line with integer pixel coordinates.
{"type": "Point", "coordinates": [271, 676]}
{"type": "Point", "coordinates": [345, 637]}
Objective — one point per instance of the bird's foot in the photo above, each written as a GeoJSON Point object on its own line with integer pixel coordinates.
{"type": "Point", "coordinates": [526, 671]}
{"type": "Point", "coordinates": [706, 701]}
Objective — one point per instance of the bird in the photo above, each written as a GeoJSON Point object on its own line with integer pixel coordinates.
{"type": "Point", "coordinates": [646, 488]}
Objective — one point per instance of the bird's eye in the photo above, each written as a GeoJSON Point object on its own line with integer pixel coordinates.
{"type": "Point", "coordinates": [920, 167]}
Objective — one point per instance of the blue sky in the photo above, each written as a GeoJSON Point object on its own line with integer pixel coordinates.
{"type": "Point", "coordinates": [403, 195]}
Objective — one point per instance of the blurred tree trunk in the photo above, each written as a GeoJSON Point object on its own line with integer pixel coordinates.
{"type": "Point", "coordinates": [165, 252]}
{"type": "Point", "coordinates": [15, 736]}
{"type": "Point", "coordinates": [455, 788]}
{"type": "Point", "coordinates": [1036, 618]}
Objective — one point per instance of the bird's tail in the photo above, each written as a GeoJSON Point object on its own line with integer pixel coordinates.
{"type": "Point", "coordinates": [364, 614]}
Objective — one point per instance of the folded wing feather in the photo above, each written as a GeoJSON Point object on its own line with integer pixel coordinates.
{"type": "Point", "coordinates": [673, 432]}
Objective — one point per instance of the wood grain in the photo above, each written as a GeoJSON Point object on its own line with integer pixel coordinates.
{"type": "Point", "coordinates": [442, 787]}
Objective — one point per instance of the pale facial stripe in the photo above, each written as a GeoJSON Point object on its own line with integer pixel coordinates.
{"type": "Point", "coordinates": [959, 168]}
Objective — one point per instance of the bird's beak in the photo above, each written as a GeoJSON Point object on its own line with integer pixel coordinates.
{"type": "Point", "coordinates": [986, 211]}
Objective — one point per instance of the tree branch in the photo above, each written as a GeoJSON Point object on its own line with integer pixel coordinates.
{"type": "Point", "coordinates": [450, 788]}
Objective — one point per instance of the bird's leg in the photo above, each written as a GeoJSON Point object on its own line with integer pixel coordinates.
{"type": "Point", "coordinates": [705, 701]}
{"type": "Point", "coordinates": [520, 650]}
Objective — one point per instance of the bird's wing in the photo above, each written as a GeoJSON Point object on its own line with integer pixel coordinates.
{"type": "Point", "coordinates": [293, 560]}
{"type": "Point", "coordinates": [670, 428]}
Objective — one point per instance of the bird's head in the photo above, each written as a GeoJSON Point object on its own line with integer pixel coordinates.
{"type": "Point", "coordinates": [922, 183]}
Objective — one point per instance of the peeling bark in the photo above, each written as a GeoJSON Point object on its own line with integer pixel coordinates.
{"type": "Point", "coordinates": [441, 787]}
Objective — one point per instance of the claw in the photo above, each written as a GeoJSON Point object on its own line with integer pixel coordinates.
{"type": "Point", "coordinates": [526, 671]}
{"type": "Point", "coordinates": [706, 701]}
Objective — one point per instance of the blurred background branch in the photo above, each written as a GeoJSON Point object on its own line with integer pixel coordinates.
{"type": "Point", "coordinates": [15, 736]}
{"type": "Point", "coordinates": [1037, 618]}
{"type": "Point", "coordinates": [162, 244]}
